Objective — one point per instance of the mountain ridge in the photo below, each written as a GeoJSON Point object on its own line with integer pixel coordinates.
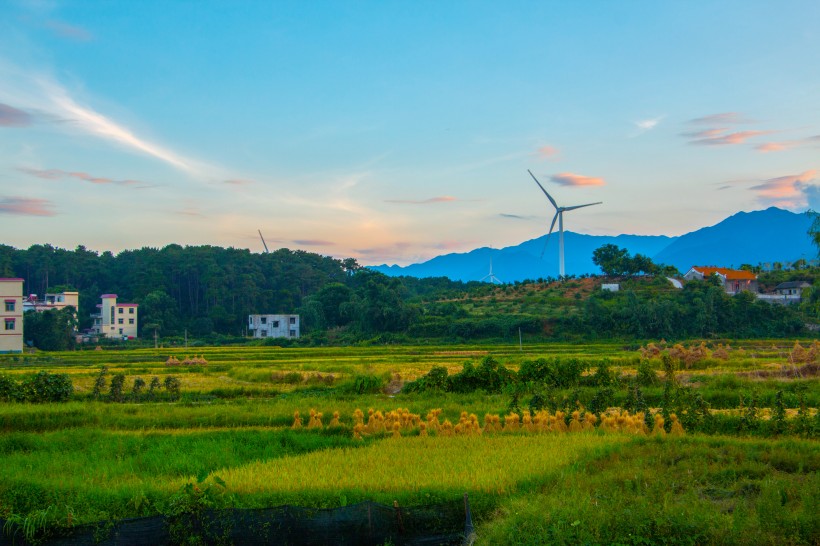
{"type": "Point", "coordinates": [763, 236]}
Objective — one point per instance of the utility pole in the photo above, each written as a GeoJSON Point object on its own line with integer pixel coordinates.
{"type": "Point", "coordinates": [155, 339]}
{"type": "Point", "coordinates": [186, 338]}
{"type": "Point", "coordinates": [520, 341]}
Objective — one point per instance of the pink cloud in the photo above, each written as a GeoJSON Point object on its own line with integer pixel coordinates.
{"type": "Point", "coordinates": [722, 118]}
{"type": "Point", "coordinates": [788, 191]}
{"type": "Point", "coordinates": [440, 199]}
{"type": "Point", "coordinates": [72, 32]}
{"type": "Point", "coordinates": [12, 117]}
{"type": "Point", "coordinates": [547, 152]}
{"type": "Point", "coordinates": [571, 179]}
{"type": "Point", "coordinates": [787, 144]}
{"type": "Point", "coordinates": [706, 133]}
{"type": "Point", "coordinates": [739, 137]}
{"type": "Point", "coordinates": [26, 207]}
{"type": "Point", "coordinates": [56, 174]}
{"type": "Point", "coordinates": [238, 182]}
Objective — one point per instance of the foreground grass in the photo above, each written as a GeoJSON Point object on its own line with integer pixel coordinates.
{"type": "Point", "coordinates": [692, 490]}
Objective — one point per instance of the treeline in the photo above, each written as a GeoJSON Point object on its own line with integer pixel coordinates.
{"type": "Point", "coordinates": [211, 290]}
{"type": "Point", "coordinates": [208, 289]}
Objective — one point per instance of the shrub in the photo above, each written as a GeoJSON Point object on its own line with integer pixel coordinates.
{"type": "Point", "coordinates": [363, 384]}
{"type": "Point", "coordinates": [115, 391]}
{"type": "Point", "coordinates": [172, 386]}
{"type": "Point", "coordinates": [434, 380]}
{"type": "Point", "coordinates": [99, 383]}
{"type": "Point", "coordinates": [646, 376]}
{"type": "Point", "coordinates": [9, 389]}
{"type": "Point", "coordinates": [47, 387]}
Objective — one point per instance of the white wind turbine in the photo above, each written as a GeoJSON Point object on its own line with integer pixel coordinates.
{"type": "Point", "coordinates": [559, 215]}
{"type": "Point", "coordinates": [493, 279]}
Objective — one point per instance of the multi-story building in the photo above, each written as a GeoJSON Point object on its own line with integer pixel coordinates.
{"type": "Point", "coordinates": [11, 313]}
{"type": "Point", "coordinates": [273, 326]}
{"type": "Point", "coordinates": [52, 301]}
{"type": "Point", "coordinates": [115, 319]}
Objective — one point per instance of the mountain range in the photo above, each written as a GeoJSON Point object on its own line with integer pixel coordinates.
{"type": "Point", "coordinates": [757, 238]}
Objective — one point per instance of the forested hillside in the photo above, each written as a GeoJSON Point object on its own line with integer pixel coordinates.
{"type": "Point", "coordinates": [211, 290]}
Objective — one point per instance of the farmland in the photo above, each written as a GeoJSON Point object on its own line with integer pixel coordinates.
{"type": "Point", "coordinates": [745, 471]}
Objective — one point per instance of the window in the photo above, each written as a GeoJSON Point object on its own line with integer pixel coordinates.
{"type": "Point", "coordinates": [263, 333]}
{"type": "Point", "coordinates": [120, 330]}
{"type": "Point", "coordinates": [293, 320]}
{"type": "Point", "coordinates": [9, 305]}
{"type": "Point", "coordinates": [130, 310]}
{"type": "Point", "coordinates": [263, 320]}
{"type": "Point", "coordinates": [293, 333]}
{"type": "Point", "coordinates": [276, 324]}
{"type": "Point", "coordinates": [119, 321]}
{"type": "Point", "coordinates": [121, 311]}
{"type": "Point", "coordinates": [130, 321]}
{"type": "Point", "coordinates": [9, 324]}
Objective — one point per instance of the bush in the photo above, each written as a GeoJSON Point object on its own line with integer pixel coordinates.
{"type": "Point", "coordinates": [9, 389]}
{"type": "Point", "coordinates": [115, 392]}
{"type": "Point", "coordinates": [646, 376]}
{"type": "Point", "coordinates": [364, 384]}
{"type": "Point", "coordinates": [172, 386]}
{"type": "Point", "coordinates": [434, 380]}
{"type": "Point", "coordinates": [47, 387]}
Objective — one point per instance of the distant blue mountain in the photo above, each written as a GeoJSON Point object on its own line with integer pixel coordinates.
{"type": "Point", "coordinates": [771, 235]}
{"type": "Point", "coordinates": [759, 237]}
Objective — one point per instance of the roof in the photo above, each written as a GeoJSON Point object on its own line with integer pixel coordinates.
{"type": "Point", "coordinates": [792, 284]}
{"type": "Point", "coordinates": [729, 274]}
{"type": "Point", "coordinates": [10, 279]}
{"type": "Point", "coordinates": [108, 296]}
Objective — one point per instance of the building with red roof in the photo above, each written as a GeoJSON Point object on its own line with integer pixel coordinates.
{"type": "Point", "coordinates": [733, 280]}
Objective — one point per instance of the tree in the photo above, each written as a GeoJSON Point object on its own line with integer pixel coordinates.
{"type": "Point", "coordinates": [51, 330]}
{"type": "Point", "coordinates": [610, 259]}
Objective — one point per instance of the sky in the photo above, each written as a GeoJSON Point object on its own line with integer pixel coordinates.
{"type": "Point", "coordinates": [393, 132]}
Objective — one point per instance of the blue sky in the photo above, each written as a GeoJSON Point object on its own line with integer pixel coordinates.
{"type": "Point", "coordinates": [397, 131]}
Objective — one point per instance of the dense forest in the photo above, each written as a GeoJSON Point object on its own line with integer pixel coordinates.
{"type": "Point", "coordinates": [209, 291]}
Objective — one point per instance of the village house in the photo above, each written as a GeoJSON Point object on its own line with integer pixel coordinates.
{"type": "Point", "coordinates": [733, 280]}
{"type": "Point", "coordinates": [11, 335]}
{"type": "Point", "coordinates": [115, 320]}
{"type": "Point", "coordinates": [260, 326]}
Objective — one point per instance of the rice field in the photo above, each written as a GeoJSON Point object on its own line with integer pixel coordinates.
{"type": "Point", "coordinates": [96, 459]}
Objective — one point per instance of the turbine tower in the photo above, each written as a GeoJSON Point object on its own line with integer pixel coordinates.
{"type": "Point", "coordinates": [493, 279]}
{"type": "Point", "coordinates": [559, 216]}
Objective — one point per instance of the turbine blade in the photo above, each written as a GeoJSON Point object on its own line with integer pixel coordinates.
{"type": "Point", "coordinates": [554, 204]}
{"type": "Point", "coordinates": [582, 206]}
{"type": "Point", "coordinates": [547, 240]}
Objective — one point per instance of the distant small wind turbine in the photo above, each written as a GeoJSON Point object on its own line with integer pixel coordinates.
{"type": "Point", "coordinates": [559, 215]}
{"type": "Point", "coordinates": [263, 241]}
{"type": "Point", "coordinates": [493, 278]}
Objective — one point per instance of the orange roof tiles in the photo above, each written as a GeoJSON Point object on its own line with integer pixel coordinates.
{"type": "Point", "coordinates": [730, 274]}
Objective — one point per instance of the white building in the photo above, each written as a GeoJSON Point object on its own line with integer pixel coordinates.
{"type": "Point", "coordinates": [11, 313]}
{"type": "Point", "coordinates": [52, 301]}
{"type": "Point", "coordinates": [273, 326]}
{"type": "Point", "coordinates": [117, 320]}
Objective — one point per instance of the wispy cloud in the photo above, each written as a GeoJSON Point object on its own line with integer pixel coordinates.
{"type": "Point", "coordinates": [313, 242]}
{"type": "Point", "coordinates": [723, 118]}
{"type": "Point", "coordinates": [440, 199]}
{"type": "Point", "coordinates": [547, 152]}
{"type": "Point", "coordinates": [35, 91]}
{"type": "Point", "coordinates": [26, 207]}
{"type": "Point", "coordinates": [705, 133]}
{"type": "Point", "coordinates": [238, 182]}
{"type": "Point", "coordinates": [788, 191]}
{"type": "Point", "coordinates": [515, 216]}
{"type": "Point", "coordinates": [767, 147]}
{"type": "Point", "coordinates": [572, 179]}
{"type": "Point", "coordinates": [65, 30]}
{"type": "Point", "coordinates": [12, 117]}
{"type": "Point", "coordinates": [56, 174]}
{"type": "Point", "coordinates": [728, 139]}
{"type": "Point", "coordinates": [645, 125]}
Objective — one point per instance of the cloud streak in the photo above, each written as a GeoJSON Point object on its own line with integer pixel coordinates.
{"type": "Point", "coordinates": [26, 207]}
{"type": "Point", "coordinates": [717, 138]}
{"type": "Point", "coordinates": [768, 147]}
{"type": "Point", "coordinates": [547, 152]}
{"type": "Point", "coordinates": [56, 174]}
{"type": "Point", "coordinates": [723, 118]}
{"type": "Point", "coordinates": [12, 117]}
{"type": "Point", "coordinates": [440, 199]}
{"type": "Point", "coordinates": [37, 92]}
{"type": "Point", "coordinates": [65, 30]}
{"type": "Point", "coordinates": [572, 179]}
{"type": "Point", "coordinates": [312, 242]}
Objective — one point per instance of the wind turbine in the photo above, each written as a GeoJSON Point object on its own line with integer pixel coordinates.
{"type": "Point", "coordinates": [263, 240]}
{"type": "Point", "coordinates": [493, 278]}
{"type": "Point", "coordinates": [559, 215]}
